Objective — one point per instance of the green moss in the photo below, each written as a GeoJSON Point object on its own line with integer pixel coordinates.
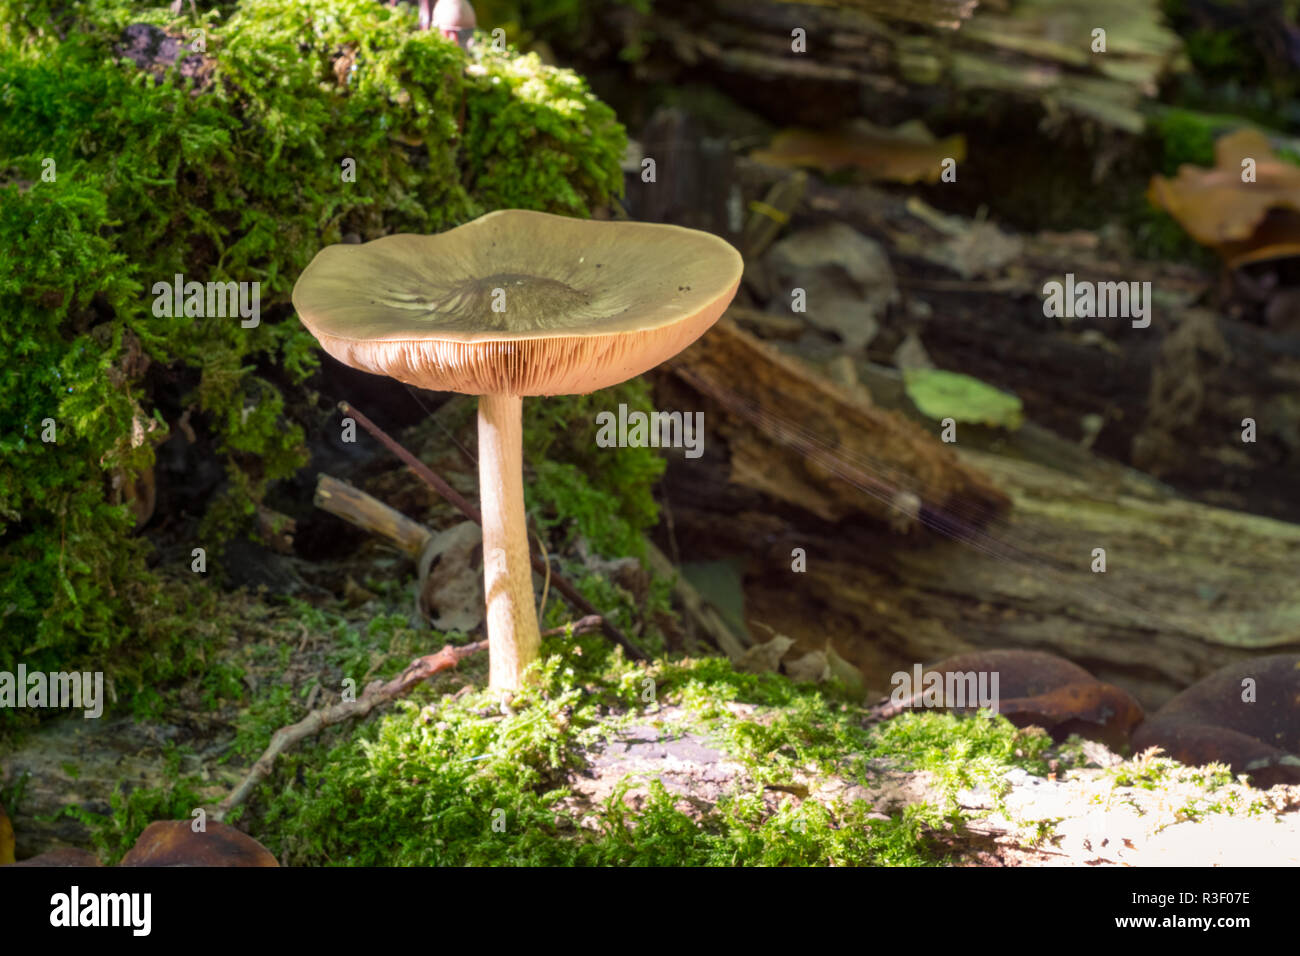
{"type": "Point", "coordinates": [131, 810]}
{"type": "Point", "coordinates": [1186, 137]}
{"type": "Point", "coordinates": [443, 780]}
{"type": "Point", "coordinates": [239, 181]}
{"type": "Point", "coordinates": [604, 494]}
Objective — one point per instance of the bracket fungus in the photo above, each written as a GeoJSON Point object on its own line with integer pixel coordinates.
{"type": "Point", "coordinates": [516, 303]}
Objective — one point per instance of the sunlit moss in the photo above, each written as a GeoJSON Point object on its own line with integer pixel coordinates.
{"type": "Point", "coordinates": [239, 180]}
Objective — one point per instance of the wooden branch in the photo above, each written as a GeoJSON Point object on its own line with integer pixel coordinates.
{"type": "Point", "coordinates": [779, 404]}
{"type": "Point", "coordinates": [376, 693]}
{"type": "Point", "coordinates": [583, 625]}
{"type": "Point", "coordinates": [356, 507]}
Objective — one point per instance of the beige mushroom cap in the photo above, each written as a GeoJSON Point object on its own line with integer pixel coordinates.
{"type": "Point", "coordinates": [518, 303]}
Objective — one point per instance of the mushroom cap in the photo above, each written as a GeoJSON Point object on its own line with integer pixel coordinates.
{"type": "Point", "coordinates": [174, 843]}
{"type": "Point", "coordinates": [517, 302]}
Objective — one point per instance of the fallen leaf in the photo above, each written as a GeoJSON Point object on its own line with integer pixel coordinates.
{"type": "Point", "coordinates": [906, 154]}
{"type": "Point", "coordinates": [6, 838]}
{"type": "Point", "coordinates": [1040, 689]}
{"type": "Point", "coordinates": [939, 394]}
{"type": "Point", "coordinates": [811, 668]}
{"type": "Point", "coordinates": [846, 277]}
{"type": "Point", "coordinates": [1242, 221]}
{"type": "Point", "coordinates": [1215, 720]}
{"type": "Point", "coordinates": [451, 578]}
{"type": "Point", "coordinates": [843, 671]}
{"type": "Point", "coordinates": [765, 657]}
{"type": "Point", "coordinates": [980, 250]}
{"type": "Point", "coordinates": [174, 843]}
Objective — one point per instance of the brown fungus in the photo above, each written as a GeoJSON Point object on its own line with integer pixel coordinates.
{"type": "Point", "coordinates": [516, 303]}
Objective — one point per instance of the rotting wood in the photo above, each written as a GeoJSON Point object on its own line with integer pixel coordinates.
{"type": "Point", "coordinates": [1033, 50]}
{"type": "Point", "coordinates": [1188, 587]}
{"type": "Point", "coordinates": [367, 512]}
{"type": "Point", "coordinates": [760, 391]}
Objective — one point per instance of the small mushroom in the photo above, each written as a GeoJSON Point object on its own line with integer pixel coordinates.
{"type": "Point", "coordinates": [454, 19]}
{"type": "Point", "coordinates": [175, 843]}
{"type": "Point", "coordinates": [516, 303]}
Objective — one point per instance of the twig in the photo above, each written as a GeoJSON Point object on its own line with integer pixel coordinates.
{"type": "Point", "coordinates": [546, 584]}
{"type": "Point", "coordinates": [376, 693]}
{"type": "Point", "coordinates": [591, 622]}
{"type": "Point", "coordinates": [422, 471]}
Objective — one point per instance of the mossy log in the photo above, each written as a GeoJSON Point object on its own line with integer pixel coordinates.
{"type": "Point", "coordinates": [1187, 587]}
{"type": "Point", "coordinates": [1170, 399]}
{"type": "Point", "coordinates": [1039, 50]}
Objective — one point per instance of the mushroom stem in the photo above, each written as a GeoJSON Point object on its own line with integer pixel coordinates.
{"type": "Point", "coordinates": [513, 640]}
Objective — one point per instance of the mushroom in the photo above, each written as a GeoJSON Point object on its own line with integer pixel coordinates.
{"type": "Point", "coordinates": [175, 843]}
{"type": "Point", "coordinates": [454, 19]}
{"type": "Point", "coordinates": [516, 303]}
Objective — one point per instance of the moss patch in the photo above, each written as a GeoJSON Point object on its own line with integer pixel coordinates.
{"type": "Point", "coordinates": [113, 180]}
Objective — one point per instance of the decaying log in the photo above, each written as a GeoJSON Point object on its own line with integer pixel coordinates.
{"type": "Point", "coordinates": [1187, 587]}
{"type": "Point", "coordinates": [1035, 50]}
{"type": "Point", "coordinates": [862, 458]}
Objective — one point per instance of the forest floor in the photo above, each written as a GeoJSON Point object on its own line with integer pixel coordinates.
{"type": "Point", "coordinates": [679, 761]}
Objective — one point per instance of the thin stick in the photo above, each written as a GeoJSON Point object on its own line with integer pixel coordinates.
{"type": "Point", "coordinates": [376, 693]}
{"type": "Point", "coordinates": [581, 626]}
{"type": "Point", "coordinates": [422, 471]}
{"type": "Point", "coordinates": [546, 585]}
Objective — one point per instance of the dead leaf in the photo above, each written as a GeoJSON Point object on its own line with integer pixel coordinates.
{"type": "Point", "coordinates": [174, 843]}
{"type": "Point", "coordinates": [6, 838]}
{"type": "Point", "coordinates": [842, 670]}
{"type": "Point", "coordinates": [846, 278]}
{"type": "Point", "coordinates": [906, 154]}
{"type": "Point", "coordinates": [1242, 221]}
{"type": "Point", "coordinates": [811, 668]}
{"type": "Point", "coordinates": [765, 658]}
{"type": "Point", "coordinates": [1035, 688]}
{"type": "Point", "coordinates": [451, 578]}
{"type": "Point", "coordinates": [1216, 720]}
{"type": "Point", "coordinates": [980, 250]}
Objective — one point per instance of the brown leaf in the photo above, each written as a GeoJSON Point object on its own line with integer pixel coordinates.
{"type": "Point", "coordinates": [1050, 692]}
{"type": "Point", "coordinates": [766, 657]}
{"type": "Point", "coordinates": [174, 843]}
{"type": "Point", "coordinates": [904, 155]}
{"type": "Point", "coordinates": [1242, 221]}
{"type": "Point", "coordinates": [6, 838]}
{"type": "Point", "coordinates": [1089, 708]}
{"type": "Point", "coordinates": [1211, 722]}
